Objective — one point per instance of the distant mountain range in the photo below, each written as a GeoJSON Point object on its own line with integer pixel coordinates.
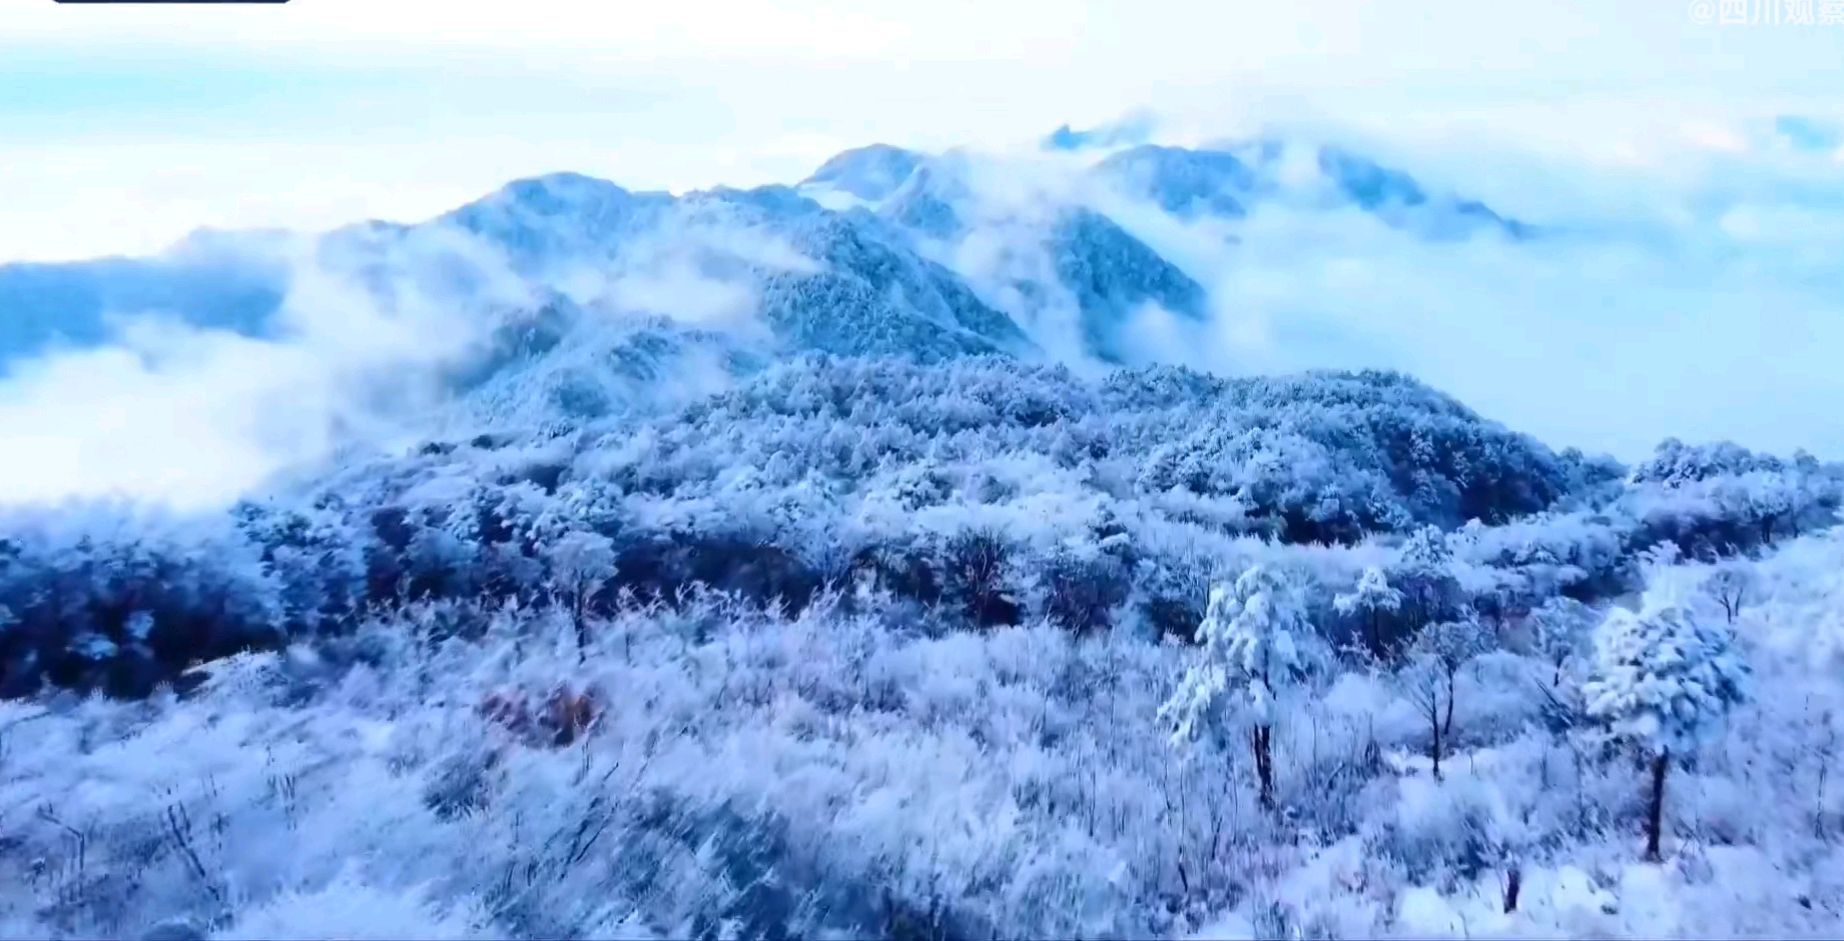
{"type": "Point", "coordinates": [862, 257]}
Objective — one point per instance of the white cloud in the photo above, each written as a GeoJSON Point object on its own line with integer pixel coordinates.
{"type": "Point", "coordinates": [194, 417]}
{"type": "Point", "coordinates": [367, 332]}
{"type": "Point", "coordinates": [1702, 304]}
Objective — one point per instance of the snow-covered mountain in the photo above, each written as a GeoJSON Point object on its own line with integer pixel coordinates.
{"type": "Point", "coordinates": [865, 647]}
{"type": "Point", "coordinates": [869, 254]}
{"type": "Point", "coordinates": [1229, 181]}
{"type": "Point", "coordinates": [870, 173]}
{"type": "Point", "coordinates": [822, 561]}
{"type": "Point", "coordinates": [1186, 183]}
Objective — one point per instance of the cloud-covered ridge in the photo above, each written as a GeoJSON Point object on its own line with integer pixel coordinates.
{"type": "Point", "coordinates": [1593, 303]}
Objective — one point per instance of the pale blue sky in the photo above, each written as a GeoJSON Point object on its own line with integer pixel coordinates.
{"type": "Point", "coordinates": [126, 126]}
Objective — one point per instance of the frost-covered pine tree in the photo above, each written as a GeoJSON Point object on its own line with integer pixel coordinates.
{"type": "Point", "coordinates": [1248, 654]}
{"type": "Point", "coordinates": [1371, 600]}
{"type": "Point", "coordinates": [1662, 681]}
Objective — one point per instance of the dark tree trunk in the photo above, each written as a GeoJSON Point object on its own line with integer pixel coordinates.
{"type": "Point", "coordinates": [1264, 763]}
{"type": "Point", "coordinates": [578, 604]}
{"type": "Point", "coordinates": [1655, 815]}
{"type": "Point", "coordinates": [1447, 722]}
{"type": "Point", "coordinates": [1435, 752]}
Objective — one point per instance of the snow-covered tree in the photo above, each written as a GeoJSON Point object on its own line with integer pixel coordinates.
{"type": "Point", "coordinates": [1559, 632]}
{"type": "Point", "coordinates": [1248, 655]}
{"type": "Point", "coordinates": [1729, 586]}
{"type": "Point", "coordinates": [581, 563]}
{"type": "Point", "coordinates": [1662, 680]}
{"type": "Point", "coordinates": [1660, 556]}
{"type": "Point", "coordinates": [1371, 600]}
{"type": "Point", "coordinates": [978, 573]}
{"type": "Point", "coordinates": [1425, 574]}
{"type": "Point", "coordinates": [1431, 672]}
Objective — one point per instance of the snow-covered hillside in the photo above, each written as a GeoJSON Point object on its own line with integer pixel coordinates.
{"type": "Point", "coordinates": [873, 647]}
{"type": "Point", "coordinates": [846, 560]}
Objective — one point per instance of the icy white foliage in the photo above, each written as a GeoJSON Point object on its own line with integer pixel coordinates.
{"type": "Point", "coordinates": [347, 908]}
{"type": "Point", "coordinates": [1664, 677]}
{"type": "Point", "coordinates": [967, 783]}
{"type": "Point", "coordinates": [407, 780]}
{"type": "Point", "coordinates": [1561, 632]}
{"type": "Point", "coordinates": [1248, 654]}
{"type": "Point", "coordinates": [1373, 593]}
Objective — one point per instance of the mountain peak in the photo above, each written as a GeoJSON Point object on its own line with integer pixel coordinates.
{"type": "Point", "coordinates": [1135, 128]}
{"type": "Point", "coordinates": [1182, 181]}
{"type": "Point", "coordinates": [555, 192]}
{"type": "Point", "coordinates": [869, 173]}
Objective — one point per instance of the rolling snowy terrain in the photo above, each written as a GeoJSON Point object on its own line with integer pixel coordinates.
{"type": "Point", "coordinates": [938, 547]}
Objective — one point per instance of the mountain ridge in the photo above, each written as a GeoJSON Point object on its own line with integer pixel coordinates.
{"type": "Point", "coordinates": [881, 279]}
